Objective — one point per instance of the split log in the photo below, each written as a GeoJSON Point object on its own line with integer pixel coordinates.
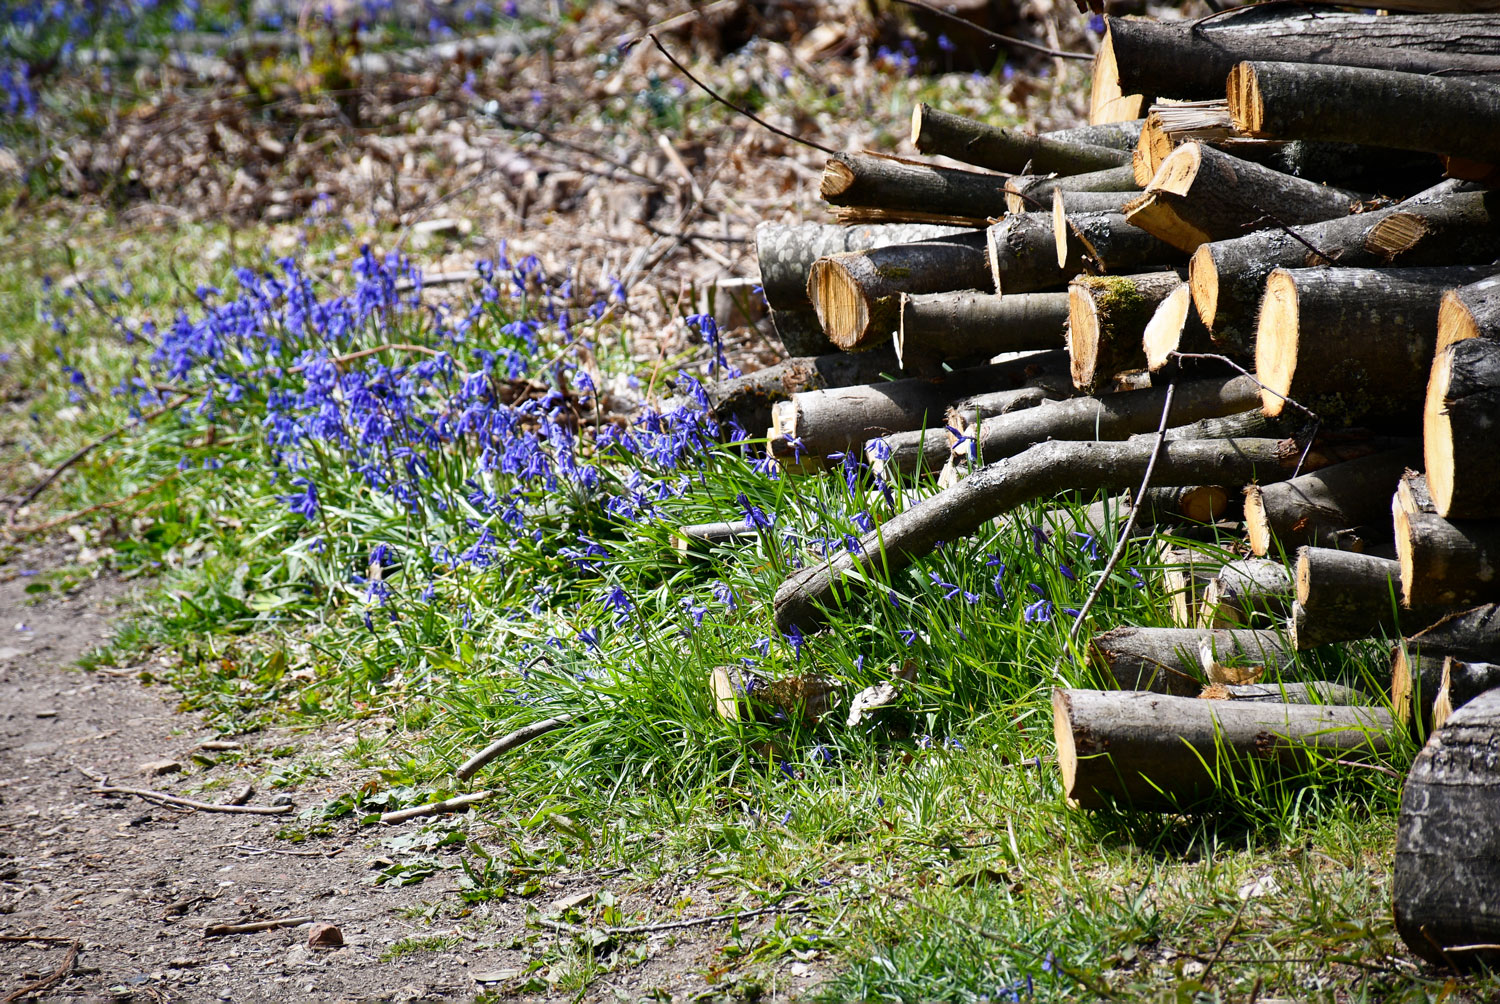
{"type": "Point", "coordinates": [1408, 111]}
{"type": "Point", "coordinates": [1200, 194]}
{"type": "Point", "coordinates": [785, 254]}
{"type": "Point", "coordinates": [1107, 318]}
{"type": "Point", "coordinates": [869, 188]}
{"type": "Point", "coordinates": [748, 399]}
{"type": "Point", "coordinates": [1029, 193]}
{"type": "Point", "coordinates": [1042, 470]}
{"type": "Point", "coordinates": [1462, 682]}
{"type": "Point", "coordinates": [943, 326]}
{"type": "Point", "coordinates": [1105, 242]}
{"type": "Point", "coordinates": [857, 294]}
{"type": "Point", "coordinates": [1191, 59]}
{"type": "Point", "coordinates": [1455, 563]}
{"type": "Point", "coordinates": [1446, 885]}
{"type": "Point", "coordinates": [1022, 255]}
{"type": "Point", "coordinates": [1108, 101]}
{"type": "Point", "coordinates": [938, 133]}
{"type": "Point", "coordinates": [1342, 596]}
{"type": "Point", "coordinates": [1174, 327]}
{"type": "Point", "coordinates": [1110, 417]}
{"type": "Point", "coordinates": [1444, 225]}
{"type": "Point", "coordinates": [1185, 574]}
{"type": "Point", "coordinates": [1248, 593]}
{"type": "Point", "coordinates": [1315, 692]}
{"type": "Point", "coordinates": [1170, 660]}
{"type": "Point", "coordinates": [1151, 751]}
{"type": "Point", "coordinates": [1342, 506]}
{"type": "Point", "coordinates": [1417, 663]}
{"type": "Point", "coordinates": [1461, 441]}
{"type": "Point", "coordinates": [1471, 311]}
{"type": "Point", "coordinates": [927, 450]}
{"type": "Point", "coordinates": [837, 419]}
{"type": "Point", "coordinates": [1366, 332]}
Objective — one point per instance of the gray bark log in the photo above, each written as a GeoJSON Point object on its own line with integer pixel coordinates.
{"type": "Point", "coordinates": [1012, 151]}
{"type": "Point", "coordinates": [1344, 506]}
{"type": "Point", "coordinates": [1343, 596]}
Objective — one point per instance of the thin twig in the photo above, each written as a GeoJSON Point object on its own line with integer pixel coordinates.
{"type": "Point", "coordinates": [251, 849]}
{"type": "Point", "coordinates": [63, 968]}
{"type": "Point", "coordinates": [1378, 767]}
{"type": "Point", "coordinates": [105, 788]}
{"type": "Point", "coordinates": [455, 804]}
{"type": "Point", "coordinates": [1046, 50]}
{"type": "Point", "coordinates": [1224, 941]}
{"type": "Point", "coordinates": [1135, 508]}
{"type": "Point", "coordinates": [97, 507]}
{"type": "Point", "coordinates": [1316, 420]}
{"type": "Point", "coordinates": [84, 450]}
{"type": "Point", "coordinates": [218, 930]}
{"type": "Point", "coordinates": [375, 350]}
{"type": "Point", "coordinates": [509, 742]}
{"type": "Point", "coordinates": [734, 107]}
{"type": "Point", "coordinates": [21, 939]}
{"type": "Point", "coordinates": [672, 925]}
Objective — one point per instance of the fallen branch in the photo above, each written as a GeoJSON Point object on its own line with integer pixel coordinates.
{"type": "Point", "coordinates": [1042, 470]}
{"type": "Point", "coordinates": [219, 930]}
{"type": "Point", "coordinates": [88, 510]}
{"type": "Point", "coordinates": [63, 968]}
{"type": "Point", "coordinates": [456, 804]}
{"type": "Point", "coordinates": [509, 742]}
{"type": "Point", "coordinates": [192, 803]}
{"type": "Point", "coordinates": [671, 925]}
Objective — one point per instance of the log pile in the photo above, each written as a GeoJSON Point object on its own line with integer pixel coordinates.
{"type": "Point", "coordinates": [1281, 215]}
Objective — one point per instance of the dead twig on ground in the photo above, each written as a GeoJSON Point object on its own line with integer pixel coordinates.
{"type": "Point", "coordinates": [456, 804]}
{"type": "Point", "coordinates": [219, 930]}
{"type": "Point", "coordinates": [63, 968]}
{"type": "Point", "coordinates": [673, 925]}
{"type": "Point", "coordinates": [105, 788]}
{"type": "Point", "coordinates": [509, 742]}
{"type": "Point", "coordinates": [88, 510]}
{"type": "Point", "coordinates": [251, 849]}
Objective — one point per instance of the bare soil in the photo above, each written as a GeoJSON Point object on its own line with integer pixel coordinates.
{"type": "Point", "coordinates": [134, 884]}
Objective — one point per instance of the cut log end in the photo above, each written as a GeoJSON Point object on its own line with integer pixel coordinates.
{"type": "Point", "coordinates": [837, 177]}
{"type": "Point", "coordinates": [1276, 340]}
{"type": "Point", "coordinates": [1163, 334]}
{"type": "Point", "coordinates": [1203, 279]}
{"type": "Point", "coordinates": [1107, 103]}
{"type": "Point", "coordinates": [1437, 433]}
{"type": "Point", "coordinates": [1062, 732]}
{"type": "Point", "coordinates": [1155, 214]}
{"type": "Point", "coordinates": [1247, 107]}
{"type": "Point", "coordinates": [1257, 526]}
{"type": "Point", "coordinates": [1083, 336]}
{"type": "Point", "coordinates": [916, 124]}
{"type": "Point", "coordinates": [1395, 234]}
{"type": "Point", "coordinates": [1178, 171]}
{"type": "Point", "coordinates": [1404, 555]}
{"type": "Point", "coordinates": [1442, 704]}
{"type": "Point", "coordinates": [842, 308]}
{"type": "Point", "coordinates": [1060, 227]}
{"type": "Point", "coordinates": [1455, 321]}
{"type": "Point", "coordinates": [1401, 685]}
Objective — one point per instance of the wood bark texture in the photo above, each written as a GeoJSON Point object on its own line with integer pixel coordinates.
{"type": "Point", "coordinates": [1342, 596]}
{"type": "Point", "coordinates": [866, 188]}
{"type": "Point", "coordinates": [957, 325]}
{"type": "Point", "coordinates": [939, 133]}
{"type": "Point", "coordinates": [1344, 505]}
{"type": "Point", "coordinates": [1152, 751]}
{"type": "Point", "coordinates": [1169, 660]}
{"type": "Point", "coordinates": [1030, 193]}
{"type": "Point", "coordinates": [748, 399]}
{"type": "Point", "coordinates": [1452, 562]}
{"type": "Point", "coordinates": [1022, 255]}
{"type": "Point", "coordinates": [1446, 886]}
{"type": "Point", "coordinates": [1248, 593]}
{"type": "Point", "coordinates": [1105, 241]}
{"type": "Point", "coordinates": [1107, 318]}
{"type": "Point", "coordinates": [1417, 663]}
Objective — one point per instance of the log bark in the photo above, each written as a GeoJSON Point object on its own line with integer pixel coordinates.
{"type": "Point", "coordinates": [1092, 202]}
{"type": "Point", "coordinates": [1174, 327]}
{"type": "Point", "coordinates": [785, 254]}
{"type": "Point", "coordinates": [1417, 663]}
{"type": "Point", "coordinates": [1022, 255]}
{"type": "Point", "coordinates": [857, 294]}
{"type": "Point", "coordinates": [838, 419]}
{"type": "Point", "coordinates": [1042, 470]}
{"type": "Point", "coordinates": [925, 451]}
{"type": "Point", "coordinates": [1031, 193]}
{"type": "Point", "coordinates": [1446, 886]}
{"type": "Point", "coordinates": [1110, 417]}
{"type": "Point", "coordinates": [1170, 660]}
{"type": "Point", "coordinates": [943, 326]}
{"type": "Point", "coordinates": [1459, 429]}
{"type": "Point", "coordinates": [1185, 574]}
{"type": "Point", "coordinates": [1345, 342]}
{"type": "Point", "coordinates": [1190, 59]}
{"type": "Point", "coordinates": [1444, 225]}
{"type": "Point", "coordinates": [1455, 563]}
{"type": "Point", "coordinates": [1151, 751]}
{"type": "Point", "coordinates": [1120, 135]}
{"type": "Point", "coordinates": [1342, 596]}
{"type": "Point", "coordinates": [799, 331]}
{"type": "Point", "coordinates": [1190, 503]}
{"type": "Point", "coordinates": [1105, 242]}
{"type": "Point", "coordinates": [1107, 318]}
{"type": "Point", "coordinates": [1248, 593]}
{"type": "Point", "coordinates": [1200, 194]}
{"type": "Point", "coordinates": [1343, 506]}
{"type": "Point", "coordinates": [939, 133]}
{"type": "Point", "coordinates": [1316, 692]}
{"type": "Point", "coordinates": [748, 399]}
{"type": "Point", "coordinates": [867, 188]}
{"type": "Point", "coordinates": [703, 536]}
{"type": "Point", "coordinates": [1379, 107]}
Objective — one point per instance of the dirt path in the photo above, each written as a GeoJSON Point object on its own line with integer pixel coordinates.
{"type": "Point", "coordinates": [135, 884]}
